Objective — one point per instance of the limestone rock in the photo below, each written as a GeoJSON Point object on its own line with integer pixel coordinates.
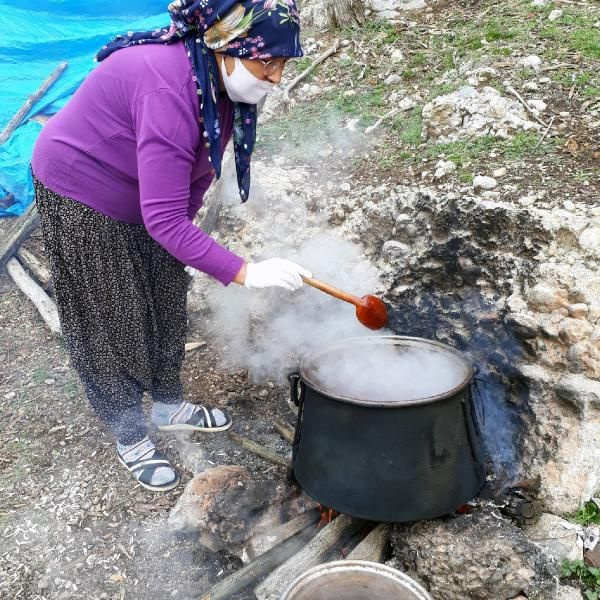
{"type": "Point", "coordinates": [471, 113]}
{"type": "Point", "coordinates": [390, 9]}
{"type": "Point", "coordinates": [567, 419]}
{"type": "Point", "coordinates": [555, 14]}
{"type": "Point", "coordinates": [545, 299]}
{"type": "Point", "coordinates": [566, 592]}
{"type": "Point", "coordinates": [482, 182]}
{"type": "Point", "coordinates": [524, 325]}
{"type": "Point", "coordinates": [228, 506]}
{"type": "Point", "coordinates": [574, 330]}
{"type": "Point", "coordinates": [477, 556]}
{"type": "Point", "coordinates": [533, 61]}
{"type": "Point", "coordinates": [578, 311]}
{"type": "Point", "coordinates": [590, 240]}
{"type": "Point", "coordinates": [557, 537]}
{"type": "Point", "coordinates": [443, 168]}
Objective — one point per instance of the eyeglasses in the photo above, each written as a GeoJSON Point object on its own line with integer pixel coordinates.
{"type": "Point", "coordinates": [271, 67]}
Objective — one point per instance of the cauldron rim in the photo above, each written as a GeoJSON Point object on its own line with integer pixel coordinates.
{"type": "Point", "coordinates": [469, 368]}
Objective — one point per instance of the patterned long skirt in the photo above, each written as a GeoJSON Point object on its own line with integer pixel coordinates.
{"type": "Point", "coordinates": [121, 299]}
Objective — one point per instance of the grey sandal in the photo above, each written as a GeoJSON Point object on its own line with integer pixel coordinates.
{"type": "Point", "coordinates": [143, 468]}
{"type": "Point", "coordinates": [200, 420]}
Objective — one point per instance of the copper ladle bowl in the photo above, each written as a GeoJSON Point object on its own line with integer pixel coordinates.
{"type": "Point", "coordinates": [370, 310]}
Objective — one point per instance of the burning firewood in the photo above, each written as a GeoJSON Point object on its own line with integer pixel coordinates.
{"type": "Point", "coordinates": [374, 546]}
{"type": "Point", "coordinates": [334, 535]}
{"type": "Point", "coordinates": [263, 564]}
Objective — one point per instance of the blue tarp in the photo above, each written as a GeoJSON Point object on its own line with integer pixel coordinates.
{"type": "Point", "coordinates": [38, 36]}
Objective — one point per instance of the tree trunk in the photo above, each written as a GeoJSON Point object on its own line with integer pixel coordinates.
{"type": "Point", "coordinates": [343, 13]}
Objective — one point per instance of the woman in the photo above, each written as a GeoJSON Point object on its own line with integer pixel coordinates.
{"type": "Point", "coordinates": [119, 174]}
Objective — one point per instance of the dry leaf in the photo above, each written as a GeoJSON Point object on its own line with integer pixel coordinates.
{"type": "Point", "coordinates": [571, 146]}
{"type": "Point", "coordinates": [117, 578]}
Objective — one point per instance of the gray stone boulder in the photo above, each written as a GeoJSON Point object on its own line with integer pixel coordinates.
{"type": "Point", "coordinates": [477, 556]}
{"type": "Point", "coordinates": [471, 113]}
{"type": "Point", "coordinates": [557, 537]}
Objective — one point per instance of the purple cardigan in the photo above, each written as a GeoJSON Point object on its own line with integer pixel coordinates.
{"type": "Point", "coordinates": [128, 145]}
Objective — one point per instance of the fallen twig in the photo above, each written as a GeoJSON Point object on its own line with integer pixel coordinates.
{"type": "Point", "coordinates": [520, 98]}
{"type": "Point", "coordinates": [545, 132]}
{"type": "Point", "coordinates": [16, 120]}
{"type": "Point", "coordinates": [308, 70]}
{"type": "Point", "coordinates": [388, 115]}
{"type": "Point", "coordinates": [284, 430]}
{"type": "Point", "coordinates": [559, 66]}
{"type": "Point", "coordinates": [260, 450]}
{"type": "Point", "coordinates": [17, 233]}
{"type": "Point", "coordinates": [35, 293]}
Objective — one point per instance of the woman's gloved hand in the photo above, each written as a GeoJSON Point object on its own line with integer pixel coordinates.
{"type": "Point", "coordinates": [275, 272]}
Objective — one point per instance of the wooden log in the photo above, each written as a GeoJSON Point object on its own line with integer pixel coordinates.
{"type": "Point", "coordinates": [266, 562]}
{"type": "Point", "coordinates": [260, 450]}
{"type": "Point", "coordinates": [194, 346]}
{"type": "Point", "coordinates": [263, 542]}
{"type": "Point", "coordinates": [314, 553]}
{"type": "Point", "coordinates": [374, 546]}
{"type": "Point", "coordinates": [35, 266]}
{"type": "Point", "coordinates": [35, 293]}
{"type": "Point", "coordinates": [16, 120]}
{"type": "Point", "coordinates": [17, 233]}
{"type": "Point", "coordinates": [284, 430]}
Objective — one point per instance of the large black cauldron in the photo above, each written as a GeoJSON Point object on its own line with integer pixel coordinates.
{"type": "Point", "coordinates": [380, 458]}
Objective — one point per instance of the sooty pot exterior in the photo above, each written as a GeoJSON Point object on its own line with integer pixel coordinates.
{"type": "Point", "coordinates": [392, 464]}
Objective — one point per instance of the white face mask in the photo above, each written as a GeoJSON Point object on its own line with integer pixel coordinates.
{"type": "Point", "coordinates": [242, 86]}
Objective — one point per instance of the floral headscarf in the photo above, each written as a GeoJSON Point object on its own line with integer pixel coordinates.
{"type": "Point", "coordinates": [254, 29]}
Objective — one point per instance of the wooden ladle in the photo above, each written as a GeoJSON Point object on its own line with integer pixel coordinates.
{"type": "Point", "coordinates": [370, 310]}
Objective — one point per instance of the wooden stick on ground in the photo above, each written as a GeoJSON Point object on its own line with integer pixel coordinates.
{"type": "Point", "coordinates": [266, 562]}
{"type": "Point", "coordinates": [17, 233]}
{"type": "Point", "coordinates": [309, 70]}
{"type": "Point", "coordinates": [545, 132]}
{"type": "Point", "coordinates": [35, 293]}
{"type": "Point", "coordinates": [260, 450]}
{"type": "Point", "coordinates": [284, 430]}
{"type": "Point", "coordinates": [16, 120]}
{"type": "Point", "coordinates": [388, 115]}
{"type": "Point", "coordinates": [314, 553]}
{"type": "Point", "coordinates": [34, 265]}
{"type": "Point", "coordinates": [520, 98]}
{"type": "Point", "coordinates": [374, 546]}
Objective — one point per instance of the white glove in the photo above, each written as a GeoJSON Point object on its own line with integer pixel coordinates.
{"type": "Point", "coordinates": [275, 272]}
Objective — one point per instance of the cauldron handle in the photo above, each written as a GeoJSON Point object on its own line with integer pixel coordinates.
{"type": "Point", "coordinates": [297, 393]}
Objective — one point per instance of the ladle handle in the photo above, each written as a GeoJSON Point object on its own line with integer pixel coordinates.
{"type": "Point", "coordinates": [332, 291]}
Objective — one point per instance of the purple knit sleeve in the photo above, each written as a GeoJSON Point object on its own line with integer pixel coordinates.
{"type": "Point", "coordinates": [167, 135]}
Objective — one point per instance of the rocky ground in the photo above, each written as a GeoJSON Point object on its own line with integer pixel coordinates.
{"type": "Point", "coordinates": [476, 217]}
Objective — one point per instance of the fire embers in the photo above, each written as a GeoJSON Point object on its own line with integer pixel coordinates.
{"type": "Point", "coordinates": [327, 515]}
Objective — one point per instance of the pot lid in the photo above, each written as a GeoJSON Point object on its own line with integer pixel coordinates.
{"type": "Point", "coordinates": [387, 371]}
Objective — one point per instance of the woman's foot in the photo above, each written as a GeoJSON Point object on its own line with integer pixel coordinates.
{"type": "Point", "coordinates": [189, 417]}
{"type": "Point", "coordinates": [148, 465]}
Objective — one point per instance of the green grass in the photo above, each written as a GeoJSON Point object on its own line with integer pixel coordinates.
{"type": "Point", "coordinates": [309, 124]}
{"type": "Point", "coordinates": [302, 64]}
{"type": "Point", "coordinates": [588, 514]}
{"type": "Point", "coordinates": [588, 577]}
{"type": "Point", "coordinates": [462, 152]}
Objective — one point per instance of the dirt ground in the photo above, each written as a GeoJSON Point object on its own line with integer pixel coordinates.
{"type": "Point", "coordinates": [72, 522]}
